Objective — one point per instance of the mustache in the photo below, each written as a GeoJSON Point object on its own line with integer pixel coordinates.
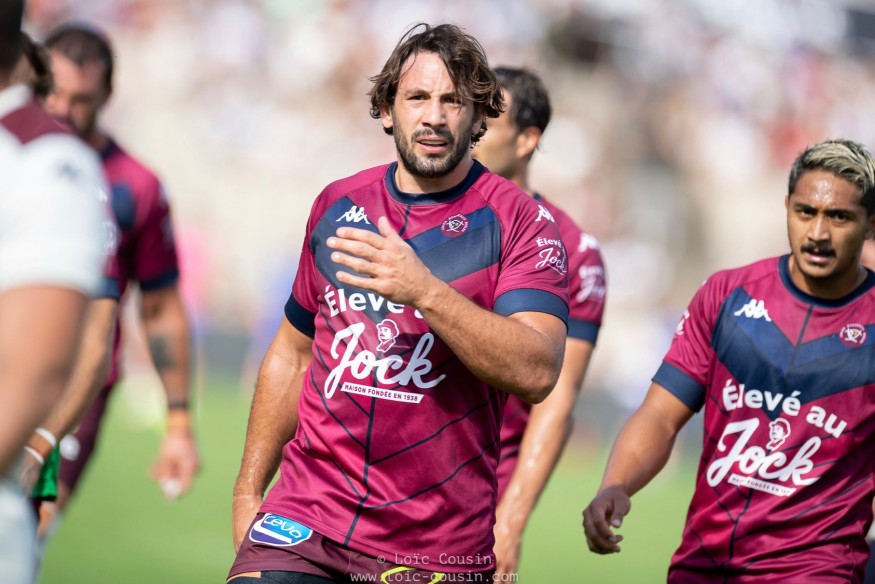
{"type": "Point", "coordinates": [817, 249]}
{"type": "Point", "coordinates": [430, 133]}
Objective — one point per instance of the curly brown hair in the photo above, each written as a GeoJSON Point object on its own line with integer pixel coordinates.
{"type": "Point", "coordinates": [465, 61]}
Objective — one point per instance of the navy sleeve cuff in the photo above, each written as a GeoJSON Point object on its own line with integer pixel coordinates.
{"type": "Point", "coordinates": [530, 300]}
{"type": "Point", "coordinates": [300, 318]}
{"type": "Point", "coordinates": [681, 385]}
{"type": "Point", "coordinates": [583, 330]}
{"type": "Point", "coordinates": [108, 288]}
{"type": "Point", "coordinates": [167, 279]}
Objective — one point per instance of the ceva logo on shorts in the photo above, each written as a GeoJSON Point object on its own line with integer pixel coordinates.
{"type": "Point", "coordinates": [278, 531]}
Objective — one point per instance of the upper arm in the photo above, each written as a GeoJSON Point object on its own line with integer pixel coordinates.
{"type": "Point", "coordinates": [290, 347]}
{"type": "Point", "coordinates": [155, 302]}
{"type": "Point", "coordinates": [665, 410]}
{"type": "Point", "coordinates": [551, 328]}
{"type": "Point", "coordinates": [40, 332]}
{"type": "Point", "coordinates": [155, 261]}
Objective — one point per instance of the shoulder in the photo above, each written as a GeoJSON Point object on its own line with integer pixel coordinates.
{"type": "Point", "coordinates": [366, 179]}
{"type": "Point", "coordinates": [123, 167]}
{"type": "Point", "coordinates": [723, 282]}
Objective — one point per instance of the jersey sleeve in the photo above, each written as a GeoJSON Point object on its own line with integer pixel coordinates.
{"type": "Point", "coordinates": [303, 302]}
{"type": "Point", "coordinates": [155, 263]}
{"type": "Point", "coordinates": [686, 367]}
{"type": "Point", "coordinates": [533, 274]}
{"type": "Point", "coordinates": [51, 222]}
{"type": "Point", "coordinates": [587, 288]}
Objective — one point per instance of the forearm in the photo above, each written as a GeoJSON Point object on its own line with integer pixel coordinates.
{"type": "Point", "coordinates": [543, 442]}
{"type": "Point", "coordinates": [169, 339]}
{"type": "Point", "coordinates": [645, 442]}
{"type": "Point", "coordinates": [508, 353]}
{"type": "Point", "coordinates": [273, 416]}
{"type": "Point", "coordinates": [546, 435]}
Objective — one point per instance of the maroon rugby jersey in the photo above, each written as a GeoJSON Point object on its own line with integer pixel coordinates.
{"type": "Point", "coordinates": [396, 450]}
{"type": "Point", "coordinates": [785, 483]}
{"type": "Point", "coordinates": [146, 251]}
{"type": "Point", "coordinates": [586, 285]}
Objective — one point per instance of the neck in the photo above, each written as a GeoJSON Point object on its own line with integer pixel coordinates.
{"type": "Point", "coordinates": [418, 185]}
{"type": "Point", "coordinates": [97, 140]}
{"type": "Point", "coordinates": [832, 288]}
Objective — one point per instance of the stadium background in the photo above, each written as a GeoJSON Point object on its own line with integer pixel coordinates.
{"type": "Point", "coordinates": [675, 123]}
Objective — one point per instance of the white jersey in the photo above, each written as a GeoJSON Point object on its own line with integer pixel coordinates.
{"type": "Point", "coordinates": [52, 226]}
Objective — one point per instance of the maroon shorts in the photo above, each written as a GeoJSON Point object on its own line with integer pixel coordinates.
{"type": "Point", "coordinates": [77, 448]}
{"type": "Point", "coordinates": [276, 543]}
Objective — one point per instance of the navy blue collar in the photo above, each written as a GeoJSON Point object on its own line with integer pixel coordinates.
{"type": "Point", "coordinates": [431, 198]}
{"type": "Point", "coordinates": [108, 150]}
{"type": "Point", "coordinates": [787, 279]}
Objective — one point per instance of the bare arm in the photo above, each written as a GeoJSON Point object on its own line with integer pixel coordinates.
{"type": "Point", "coordinates": [546, 435]}
{"type": "Point", "coordinates": [640, 452]}
{"type": "Point", "coordinates": [520, 354]}
{"type": "Point", "coordinates": [39, 337]}
{"type": "Point", "coordinates": [168, 335]}
{"type": "Point", "coordinates": [90, 370]}
{"type": "Point", "coordinates": [280, 379]}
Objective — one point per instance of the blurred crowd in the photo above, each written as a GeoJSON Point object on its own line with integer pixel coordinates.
{"type": "Point", "coordinates": [675, 122]}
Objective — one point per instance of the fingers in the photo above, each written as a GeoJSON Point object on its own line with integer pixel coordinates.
{"type": "Point", "coordinates": [603, 514]}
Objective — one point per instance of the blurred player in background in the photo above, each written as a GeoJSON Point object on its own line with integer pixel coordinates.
{"type": "Point", "coordinates": [38, 474]}
{"type": "Point", "coordinates": [82, 66]}
{"type": "Point", "coordinates": [51, 249]}
{"type": "Point", "coordinates": [428, 289]}
{"type": "Point", "coordinates": [533, 436]}
{"type": "Point", "coordinates": [790, 339]}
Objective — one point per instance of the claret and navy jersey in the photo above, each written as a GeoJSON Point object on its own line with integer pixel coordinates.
{"type": "Point", "coordinates": [396, 450]}
{"type": "Point", "coordinates": [587, 294]}
{"type": "Point", "coordinates": [787, 383]}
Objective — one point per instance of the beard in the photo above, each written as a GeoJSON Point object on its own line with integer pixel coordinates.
{"type": "Point", "coordinates": [431, 166]}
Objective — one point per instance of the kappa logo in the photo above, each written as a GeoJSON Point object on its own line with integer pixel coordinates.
{"type": "Point", "coordinates": [853, 334]}
{"type": "Point", "coordinates": [279, 531]}
{"type": "Point", "coordinates": [754, 309]}
{"type": "Point", "coordinates": [455, 226]}
{"type": "Point", "coordinates": [587, 242]}
{"type": "Point", "coordinates": [544, 214]}
{"type": "Point", "coordinates": [354, 215]}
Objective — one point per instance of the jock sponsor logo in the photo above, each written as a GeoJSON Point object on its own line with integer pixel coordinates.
{"type": "Point", "coordinates": [279, 531]}
{"type": "Point", "coordinates": [552, 254]}
{"type": "Point", "coordinates": [592, 283]}
{"type": "Point", "coordinates": [339, 301]}
{"type": "Point", "coordinates": [769, 469]}
{"type": "Point", "coordinates": [360, 363]}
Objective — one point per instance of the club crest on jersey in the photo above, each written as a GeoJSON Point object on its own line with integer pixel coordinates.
{"type": "Point", "coordinates": [387, 332]}
{"type": "Point", "coordinates": [455, 226]}
{"type": "Point", "coordinates": [544, 214]}
{"type": "Point", "coordinates": [754, 309]}
{"type": "Point", "coordinates": [354, 215]}
{"type": "Point", "coordinates": [853, 334]}
{"type": "Point", "coordinates": [279, 531]}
